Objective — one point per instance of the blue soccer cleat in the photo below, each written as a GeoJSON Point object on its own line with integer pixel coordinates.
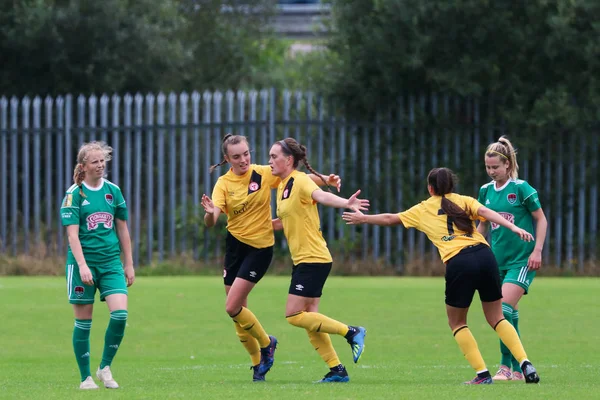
{"type": "Point", "coordinates": [478, 380]}
{"type": "Point", "coordinates": [267, 356]}
{"type": "Point", "coordinates": [357, 343]}
{"type": "Point", "coordinates": [340, 375]}
{"type": "Point", "coordinates": [256, 377]}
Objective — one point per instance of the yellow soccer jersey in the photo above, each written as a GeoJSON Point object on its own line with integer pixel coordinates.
{"type": "Point", "coordinates": [300, 218]}
{"type": "Point", "coordinates": [428, 217]}
{"type": "Point", "coordinates": [246, 200]}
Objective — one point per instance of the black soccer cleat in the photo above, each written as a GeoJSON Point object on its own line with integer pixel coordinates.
{"type": "Point", "coordinates": [530, 373]}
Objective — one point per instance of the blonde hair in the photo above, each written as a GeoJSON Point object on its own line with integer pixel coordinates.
{"type": "Point", "coordinates": [82, 158]}
{"type": "Point", "coordinates": [504, 149]}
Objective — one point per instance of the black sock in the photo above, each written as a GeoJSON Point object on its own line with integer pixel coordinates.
{"type": "Point", "coordinates": [485, 374]}
{"type": "Point", "coordinates": [338, 368]}
{"type": "Point", "coordinates": [351, 332]}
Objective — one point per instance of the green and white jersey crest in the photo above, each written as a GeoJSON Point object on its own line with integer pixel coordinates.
{"type": "Point", "coordinates": [95, 212]}
{"type": "Point", "coordinates": [515, 201]}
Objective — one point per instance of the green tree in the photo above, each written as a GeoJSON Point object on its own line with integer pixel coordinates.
{"type": "Point", "coordinates": [539, 59]}
{"type": "Point", "coordinates": [52, 47]}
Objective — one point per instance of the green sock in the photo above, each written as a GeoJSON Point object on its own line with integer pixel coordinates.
{"type": "Point", "coordinates": [113, 337]}
{"type": "Point", "coordinates": [506, 355]}
{"type": "Point", "coordinates": [515, 321]}
{"type": "Point", "coordinates": [81, 346]}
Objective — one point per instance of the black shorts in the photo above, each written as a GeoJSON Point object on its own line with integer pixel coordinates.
{"type": "Point", "coordinates": [474, 268]}
{"type": "Point", "coordinates": [244, 261]}
{"type": "Point", "coordinates": [308, 279]}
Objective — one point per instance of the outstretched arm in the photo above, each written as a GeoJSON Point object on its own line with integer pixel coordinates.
{"type": "Point", "coordinates": [493, 216]}
{"type": "Point", "coordinates": [357, 218]}
{"type": "Point", "coordinates": [331, 200]}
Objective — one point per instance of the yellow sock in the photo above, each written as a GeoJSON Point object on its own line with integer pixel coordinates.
{"type": "Point", "coordinates": [510, 338]}
{"type": "Point", "coordinates": [250, 323]}
{"type": "Point", "coordinates": [315, 322]}
{"type": "Point", "coordinates": [249, 342]}
{"type": "Point", "coordinates": [322, 344]}
{"type": "Point", "coordinates": [468, 345]}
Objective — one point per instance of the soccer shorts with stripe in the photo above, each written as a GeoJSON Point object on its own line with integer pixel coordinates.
{"type": "Point", "coordinates": [109, 279]}
{"type": "Point", "coordinates": [520, 276]}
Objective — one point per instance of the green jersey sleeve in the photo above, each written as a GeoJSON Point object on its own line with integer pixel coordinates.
{"type": "Point", "coordinates": [530, 197]}
{"type": "Point", "coordinates": [69, 210]}
{"type": "Point", "coordinates": [121, 210]}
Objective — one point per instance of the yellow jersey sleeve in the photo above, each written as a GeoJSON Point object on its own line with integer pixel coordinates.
{"type": "Point", "coordinates": [411, 218]}
{"type": "Point", "coordinates": [218, 196]}
{"type": "Point", "coordinates": [307, 189]}
{"type": "Point", "coordinates": [270, 180]}
{"type": "Point", "coordinates": [472, 208]}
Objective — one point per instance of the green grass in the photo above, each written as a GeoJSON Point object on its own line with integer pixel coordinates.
{"type": "Point", "coordinates": [179, 342]}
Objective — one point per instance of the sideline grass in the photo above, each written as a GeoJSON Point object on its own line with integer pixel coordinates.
{"type": "Point", "coordinates": [179, 342]}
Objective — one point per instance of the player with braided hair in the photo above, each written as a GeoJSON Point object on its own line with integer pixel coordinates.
{"type": "Point", "coordinates": [243, 194]}
{"type": "Point", "coordinates": [298, 216]}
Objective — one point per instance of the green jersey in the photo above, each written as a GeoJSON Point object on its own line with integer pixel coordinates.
{"type": "Point", "coordinates": [515, 201]}
{"type": "Point", "coordinates": [95, 213]}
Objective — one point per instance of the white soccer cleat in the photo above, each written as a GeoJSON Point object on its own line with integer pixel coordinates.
{"type": "Point", "coordinates": [106, 377]}
{"type": "Point", "coordinates": [88, 384]}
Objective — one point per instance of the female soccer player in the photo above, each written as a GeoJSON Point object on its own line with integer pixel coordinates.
{"type": "Point", "coordinates": [95, 215]}
{"type": "Point", "coordinates": [297, 198]}
{"type": "Point", "coordinates": [518, 202]}
{"type": "Point", "coordinates": [244, 195]}
{"type": "Point", "coordinates": [448, 221]}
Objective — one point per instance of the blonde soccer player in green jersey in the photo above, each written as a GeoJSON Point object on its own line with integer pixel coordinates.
{"type": "Point", "coordinates": [298, 216]}
{"type": "Point", "coordinates": [518, 202]}
{"type": "Point", "coordinates": [95, 215]}
{"type": "Point", "coordinates": [243, 194]}
{"type": "Point", "coordinates": [448, 220]}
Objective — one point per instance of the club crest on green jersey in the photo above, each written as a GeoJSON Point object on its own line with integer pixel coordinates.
{"type": "Point", "coordinates": [109, 198]}
{"type": "Point", "coordinates": [512, 198]}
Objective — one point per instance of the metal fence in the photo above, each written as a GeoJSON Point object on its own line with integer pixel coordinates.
{"type": "Point", "coordinates": [164, 145]}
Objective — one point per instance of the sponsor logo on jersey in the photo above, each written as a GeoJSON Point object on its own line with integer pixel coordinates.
{"type": "Point", "coordinates": [109, 198]}
{"type": "Point", "coordinates": [79, 291]}
{"type": "Point", "coordinates": [85, 203]}
{"type": "Point", "coordinates": [242, 209]}
{"type": "Point", "coordinates": [95, 219]}
{"type": "Point", "coordinates": [487, 202]}
{"type": "Point", "coordinates": [512, 198]}
{"type": "Point", "coordinates": [66, 215]}
{"type": "Point", "coordinates": [68, 201]}
{"type": "Point", "coordinates": [507, 216]}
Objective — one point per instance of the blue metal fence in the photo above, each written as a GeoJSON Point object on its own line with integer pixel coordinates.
{"type": "Point", "coordinates": [164, 145]}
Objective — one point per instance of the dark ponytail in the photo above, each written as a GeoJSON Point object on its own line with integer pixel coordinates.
{"type": "Point", "coordinates": [291, 147]}
{"type": "Point", "coordinates": [443, 180]}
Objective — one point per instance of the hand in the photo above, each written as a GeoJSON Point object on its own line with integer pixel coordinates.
{"type": "Point", "coordinates": [208, 205]}
{"type": "Point", "coordinates": [535, 260]}
{"type": "Point", "coordinates": [354, 203]}
{"type": "Point", "coordinates": [86, 275]}
{"type": "Point", "coordinates": [523, 234]}
{"type": "Point", "coordinates": [335, 181]}
{"type": "Point", "coordinates": [129, 274]}
{"type": "Point", "coordinates": [277, 224]}
{"type": "Point", "coordinates": [353, 218]}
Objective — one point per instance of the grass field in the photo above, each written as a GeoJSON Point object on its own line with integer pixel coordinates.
{"type": "Point", "coordinates": [179, 342]}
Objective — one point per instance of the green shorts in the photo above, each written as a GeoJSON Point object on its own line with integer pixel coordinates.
{"type": "Point", "coordinates": [520, 276]}
{"type": "Point", "coordinates": [108, 280]}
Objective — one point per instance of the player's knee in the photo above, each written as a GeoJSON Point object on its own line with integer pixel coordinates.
{"type": "Point", "coordinates": [232, 309]}
{"type": "Point", "coordinates": [119, 315]}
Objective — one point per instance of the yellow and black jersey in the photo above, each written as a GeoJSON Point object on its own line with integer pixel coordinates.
{"type": "Point", "coordinates": [300, 218]}
{"type": "Point", "coordinates": [246, 200]}
{"type": "Point", "coordinates": [429, 218]}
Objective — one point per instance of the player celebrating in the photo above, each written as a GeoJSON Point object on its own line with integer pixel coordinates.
{"type": "Point", "coordinates": [448, 221]}
{"type": "Point", "coordinates": [244, 195]}
{"type": "Point", "coordinates": [297, 198]}
{"type": "Point", "coordinates": [518, 261]}
{"type": "Point", "coordinates": [95, 215]}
